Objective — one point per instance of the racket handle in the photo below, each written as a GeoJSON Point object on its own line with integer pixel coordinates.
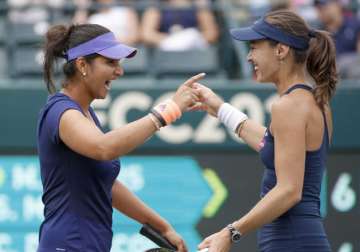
{"type": "Point", "coordinates": [155, 236]}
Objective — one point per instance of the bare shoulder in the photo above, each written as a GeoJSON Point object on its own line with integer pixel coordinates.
{"type": "Point", "coordinates": [291, 105]}
{"type": "Point", "coordinates": [71, 118]}
{"type": "Point", "coordinates": [71, 114]}
{"type": "Point", "coordinates": [290, 112]}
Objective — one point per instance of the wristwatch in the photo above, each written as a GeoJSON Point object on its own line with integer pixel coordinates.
{"type": "Point", "coordinates": [234, 233]}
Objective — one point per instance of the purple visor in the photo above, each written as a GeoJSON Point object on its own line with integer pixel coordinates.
{"type": "Point", "coordinates": [263, 30]}
{"type": "Point", "coordinates": [105, 45]}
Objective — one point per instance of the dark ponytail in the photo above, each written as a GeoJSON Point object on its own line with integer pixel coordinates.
{"type": "Point", "coordinates": [55, 45]}
{"type": "Point", "coordinates": [321, 65]}
{"type": "Point", "coordinates": [59, 39]}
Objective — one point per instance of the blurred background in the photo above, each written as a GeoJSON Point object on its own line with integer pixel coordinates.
{"type": "Point", "coordinates": [195, 173]}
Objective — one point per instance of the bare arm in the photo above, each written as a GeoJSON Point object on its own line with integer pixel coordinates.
{"type": "Point", "coordinates": [82, 136]}
{"type": "Point", "coordinates": [289, 133]}
{"type": "Point", "coordinates": [252, 133]}
{"type": "Point", "coordinates": [133, 33]}
{"type": "Point", "coordinates": [81, 13]}
{"type": "Point", "coordinates": [207, 25]}
{"type": "Point", "coordinates": [290, 147]}
{"type": "Point", "coordinates": [130, 205]}
{"type": "Point", "coordinates": [150, 27]}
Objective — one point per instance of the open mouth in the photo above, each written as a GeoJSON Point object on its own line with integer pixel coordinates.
{"type": "Point", "coordinates": [108, 85]}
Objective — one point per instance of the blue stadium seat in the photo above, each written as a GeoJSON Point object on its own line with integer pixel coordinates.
{"type": "Point", "coordinates": [3, 31]}
{"type": "Point", "coordinates": [173, 63]}
{"type": "Point", "coordinates": [3, 7]}
{"type": "Point", "coordinates": [138, 64]}
{"type": "Point", "coordinates": [241, 52]}
{"type": "Point", "coordinates": [3, 63]}
{"type": "Point", "coordinates": [26, 34]}
{"type": "Point", "coordinates": [26, 62]}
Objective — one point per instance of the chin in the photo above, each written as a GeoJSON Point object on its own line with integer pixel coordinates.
{"type": "Point", "coordinates": [260, 79]}
{"type": "Point", "coordinates": [100, 96]}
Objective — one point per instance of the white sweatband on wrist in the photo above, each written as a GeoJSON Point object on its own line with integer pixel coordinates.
{"type": "Point", "coordinates": [230, 116]}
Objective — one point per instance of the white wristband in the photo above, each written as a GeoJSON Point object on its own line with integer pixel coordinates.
{"type": "Point", "coordinates": [230, 116]}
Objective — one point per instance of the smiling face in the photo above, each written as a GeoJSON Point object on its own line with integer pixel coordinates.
{"type": "Point", "coordinates": [262, 56]}
{"type": "Point", "coordinates": [100, 72]}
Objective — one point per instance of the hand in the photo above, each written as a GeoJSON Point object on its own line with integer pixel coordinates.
{"type": "Point", "coordinates": [218, 242]}
{"type": "Point", "coordinates": [175, 238]}
{"type": "Point", "coordinates": [210, 102]}
{"type": "Point", "coordinates": [186, 96]}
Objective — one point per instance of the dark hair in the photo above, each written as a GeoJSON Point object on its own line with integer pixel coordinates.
{"type": "Point", "coordinates": [61, 38]}
{"type": "Point", "coordinates": [320, 58]}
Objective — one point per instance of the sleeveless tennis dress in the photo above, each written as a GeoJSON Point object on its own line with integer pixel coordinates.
{"type": "Point", "coordinates": [76, 189]}
{"type": "Point", "coordinates": [300, 229]}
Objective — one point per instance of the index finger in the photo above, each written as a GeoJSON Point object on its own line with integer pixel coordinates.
{"type": "Point", "coordinates": [194, 79]}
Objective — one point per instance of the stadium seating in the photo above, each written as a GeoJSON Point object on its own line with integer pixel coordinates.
{"type": "Point", "coordinates": [138, 65]}
{"type": "Point", "coordinates": [27, 62]}
{"type": "Point", "coordinates": [175, 63]}
{"type": "Point", "coordinates": [20, 44]}
{"type": "Point", "coordinates": [25, 34]}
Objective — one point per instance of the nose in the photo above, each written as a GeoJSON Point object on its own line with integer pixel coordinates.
{"type": "Point", "coordinates": [119, 71]}
{"type": "Point", "coordinates": [249, 57]}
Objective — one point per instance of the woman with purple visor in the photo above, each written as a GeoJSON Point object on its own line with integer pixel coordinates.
{"type": "Point", "coordinates": [300, 61]}
{"type": "Point", "coordinates": [79, 162]}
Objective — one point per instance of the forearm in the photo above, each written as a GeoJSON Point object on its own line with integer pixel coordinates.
{"type": "Point", "coordinates": [123, 140]}
{"type": "Point", "coordinates": [249, 130]}
{"type": "Point", "coordinates": [208, 26]}
{"type": "Point", "coordinates": [154, 38]}
{"type": "Point", "coordinates": [252, 133]}
{"type": "Point", "coordinates": [151, 24]}
{"type": "Point", "coordinates": [129, 204]}
{"type": "Point", "coordinates": [272, 205]}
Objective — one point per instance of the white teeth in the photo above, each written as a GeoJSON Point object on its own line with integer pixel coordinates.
{"type": "Point", "coordinates": [107, 85]}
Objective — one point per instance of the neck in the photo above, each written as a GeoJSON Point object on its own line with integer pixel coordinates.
{"type": "Point", "coordinates": [290, 77]}
{"type": "Point", "coordinates": [77, 93]}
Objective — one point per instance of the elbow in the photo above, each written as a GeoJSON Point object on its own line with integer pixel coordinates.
{"type": "Point", "coordinates": [147, 37]}
{"type": "Point", "coordinates": [296, 198]}
{"type": "Point", "coordinates": [293, 195]}
{"type": "Point", "coordinates": [211, 37]}
{"type": "Point", "coordinates": [104, 153]}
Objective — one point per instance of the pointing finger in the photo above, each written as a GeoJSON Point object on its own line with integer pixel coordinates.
{"type": "Point", "coordinates": [194, 79]}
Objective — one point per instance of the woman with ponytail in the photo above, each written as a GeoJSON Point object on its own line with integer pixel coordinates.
{"type": "Point", "coordinates": [284, 50]}
{"type": "Point", "coordinates": [79, 162]}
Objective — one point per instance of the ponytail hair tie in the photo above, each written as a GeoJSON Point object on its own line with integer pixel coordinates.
{"type": "Point", "coordinates": [312, 33]}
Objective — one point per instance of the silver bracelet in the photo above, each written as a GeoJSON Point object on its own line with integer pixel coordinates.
{"type": "Point", "coordinates": [155, 121]}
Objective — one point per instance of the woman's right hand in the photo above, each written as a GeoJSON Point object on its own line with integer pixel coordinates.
{"type": "Point", "coordinates": [176, 239]}
{"type": "Point", "coordinates": [210, 102]}
{"type": "Point", "coordinates": [186, 95]}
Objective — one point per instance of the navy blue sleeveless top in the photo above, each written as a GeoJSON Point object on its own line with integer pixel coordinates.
{"type": "Point", "coordinates": [314, 170]}
{"type": "Point", "coordinates": [76, 189]}
{"type": "Point", "coordinates": [186, 18]}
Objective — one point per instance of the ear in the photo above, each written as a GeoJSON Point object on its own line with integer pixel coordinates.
{"type": "Point", "coordinates": [81, 64]}
{"type": "Point", "coordinates": [282, 51]}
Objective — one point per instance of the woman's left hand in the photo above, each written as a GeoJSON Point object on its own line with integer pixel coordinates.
{"type": "Point", "coordinates": [175, 239]}
{"type": "Point", "coordinates": [218, 242]}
